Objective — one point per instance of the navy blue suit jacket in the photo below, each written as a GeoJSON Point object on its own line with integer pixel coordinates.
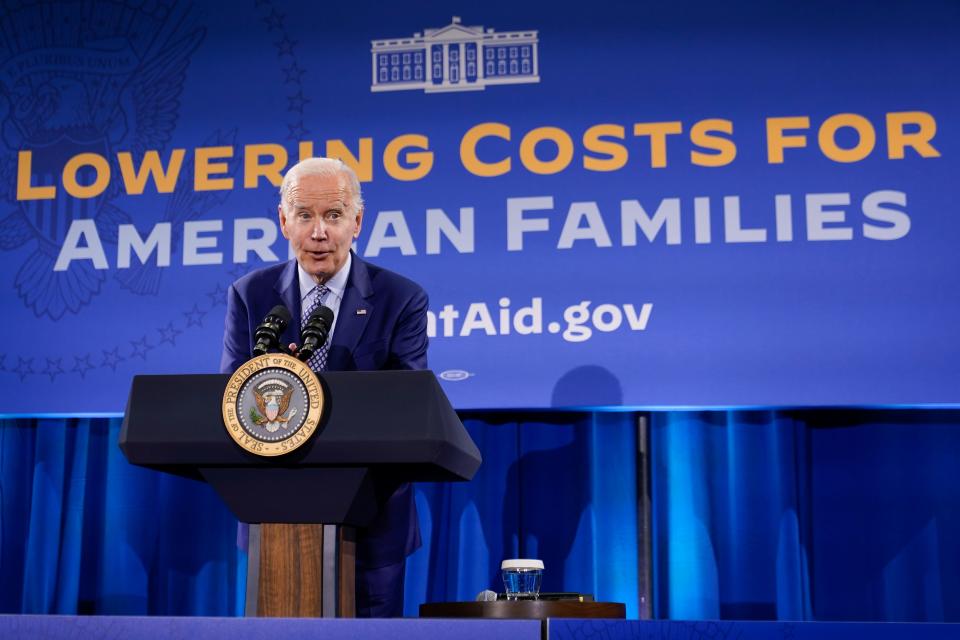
{"type": "Point", "coordinates": [382, 324]}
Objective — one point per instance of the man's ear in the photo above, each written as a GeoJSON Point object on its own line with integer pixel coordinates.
{"type": "Point", "coordinates": [356, 234]}
{"type": "Point", "coordinates": [283, 221]}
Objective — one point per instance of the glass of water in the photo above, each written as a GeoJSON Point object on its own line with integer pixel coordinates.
{"type": "Point", "coordinates": [521, 578]}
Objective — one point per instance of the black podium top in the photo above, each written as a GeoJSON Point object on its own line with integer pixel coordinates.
{"type": "Point", "coordinates": [379, 429]}
{"type": "Point", "coordinates": [372, 418]}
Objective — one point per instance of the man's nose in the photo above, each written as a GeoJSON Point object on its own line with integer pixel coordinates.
{"type": "Point", "coordinates": [319, 230]}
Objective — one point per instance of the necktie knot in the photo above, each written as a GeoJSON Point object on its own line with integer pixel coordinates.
{"type": "Point", "coordinates": [315, 298]}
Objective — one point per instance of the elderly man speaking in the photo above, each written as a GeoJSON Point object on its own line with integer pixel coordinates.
{"type": "Point", "coordinates": [380, 322]}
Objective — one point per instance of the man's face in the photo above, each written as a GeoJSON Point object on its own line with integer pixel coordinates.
{"type": "Point", "coordinates": [319, 223]}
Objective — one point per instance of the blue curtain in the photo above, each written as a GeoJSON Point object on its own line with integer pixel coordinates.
{"type": "Point", "coordinates": [561, 487]}
{"type": "Point", "coordinates": [85, 532]}
{"type": "Point", "coordinates": [807, 515]}
{"type": "Point", "coordinates": [812, 515]}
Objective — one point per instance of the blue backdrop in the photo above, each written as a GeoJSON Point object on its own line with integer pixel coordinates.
{"type": "Point", "coordinates": [814, 515]}
{"type": "Point", "coordinates": [757, 203]}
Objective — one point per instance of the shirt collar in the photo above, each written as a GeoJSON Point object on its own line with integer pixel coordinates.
{"type": "Point", "coordinates": [337, 284]}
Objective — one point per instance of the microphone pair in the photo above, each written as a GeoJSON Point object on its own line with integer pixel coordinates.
{"type": "Point", "coordinates": [314, 333]}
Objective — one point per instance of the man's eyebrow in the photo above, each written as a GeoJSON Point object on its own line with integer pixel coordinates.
{"type": "Point", "coordinates": [336, 204]}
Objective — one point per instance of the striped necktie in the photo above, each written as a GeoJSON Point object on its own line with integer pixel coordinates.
{"type": "Point", "coordinates": [316, 297]}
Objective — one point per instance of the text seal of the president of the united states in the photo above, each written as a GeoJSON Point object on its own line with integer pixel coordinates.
{"type": "Point", "coordinates": [272, 404]}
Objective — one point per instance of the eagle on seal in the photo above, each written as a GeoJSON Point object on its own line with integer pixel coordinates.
{"type": "Point", "coordinates": [271, 408]}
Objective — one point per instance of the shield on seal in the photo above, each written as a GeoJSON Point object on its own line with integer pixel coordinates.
{"type": "Point", "coordinates": [273, 408]}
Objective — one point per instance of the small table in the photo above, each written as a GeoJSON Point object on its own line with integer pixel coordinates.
{"type": "Point", "coordinates": [527, 609]}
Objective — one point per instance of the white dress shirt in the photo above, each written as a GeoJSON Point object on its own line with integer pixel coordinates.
{"type": "Point", "coordinates": [337, 285]}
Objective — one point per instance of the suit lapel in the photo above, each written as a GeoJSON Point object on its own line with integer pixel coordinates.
{"type": "Point", "coordinates": [355, 309]}
{"type": "Point", "coordinates": [288, 288]}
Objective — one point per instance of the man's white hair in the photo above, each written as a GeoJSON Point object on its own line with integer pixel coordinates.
{"type": "Point", "coordinates": [322, 167]}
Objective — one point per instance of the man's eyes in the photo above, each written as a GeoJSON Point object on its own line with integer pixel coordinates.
{"type": "Point", "coordinates": [329, 215]}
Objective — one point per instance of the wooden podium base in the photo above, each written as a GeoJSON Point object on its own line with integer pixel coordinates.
{"type": "Point", "coordinates": [301, 571]}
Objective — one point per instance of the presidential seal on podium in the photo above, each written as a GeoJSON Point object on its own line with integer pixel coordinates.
{"type": "Point", "coordinates": [272, 404]}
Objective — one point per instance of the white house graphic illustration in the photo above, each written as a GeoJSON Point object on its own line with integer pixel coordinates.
{"type": "Point", "coordinates": [455, 58]}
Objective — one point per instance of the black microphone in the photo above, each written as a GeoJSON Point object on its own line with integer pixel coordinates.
{"type": "Point", "coordinates": [315, 332]}
{"type": "Point", "coordinates": [268, 333]}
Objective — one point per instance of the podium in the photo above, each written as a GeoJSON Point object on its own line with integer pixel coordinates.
{"type": "Point", "coordinates": [379, 430]}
